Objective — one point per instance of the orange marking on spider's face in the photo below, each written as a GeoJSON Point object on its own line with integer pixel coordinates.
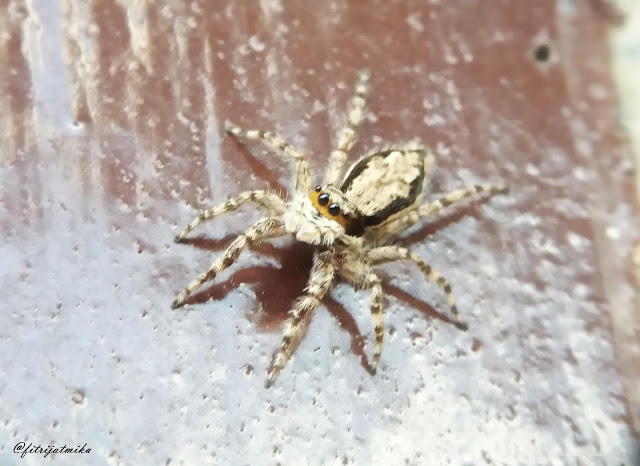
{"type": "Point", "coordinates": [324, 205]}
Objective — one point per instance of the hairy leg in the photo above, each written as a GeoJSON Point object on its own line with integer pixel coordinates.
{"type": "Point", "coordinates": [397, 225]}
{"type": "Point", "coordinates": [320, 280]}
{"type": "Point", "coordinates": [355, 115]}
{"type": "Point", "coordinates": [270, 201]}
{"type": "Point", "coordinates": [373, 283]}
{"type": "Point", "coordinates": [303, 176]}
{"type": "Point", "coordinates": [263, 229]}
{"type": "Point", "coordinates": [359, 273]}
{"type": "Point", "coordinates": [460, 194]}
{"type": "Point", "coordinates": [384, 254]}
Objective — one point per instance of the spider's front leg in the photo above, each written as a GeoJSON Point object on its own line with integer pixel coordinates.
{"type": "Point", "coordinates": [322, 274]}
{"type": "Point", "coordinates": [384, 254]}
{"type": "Point", "coordinates": [355, 115]}
{"type": "Point", "coordinates": [303, 176]}
{"type": "Point", "coordinates": [270, 201]}
{"type": "Point", "coordinates": [262, 229]}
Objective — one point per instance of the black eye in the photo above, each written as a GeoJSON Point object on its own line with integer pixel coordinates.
{"type": "Point", "coordinates": [334, 209]}
{"type": "Point", "coordinates": [323, 199]}
{"type": "Point", "coordinates": [318, 188]}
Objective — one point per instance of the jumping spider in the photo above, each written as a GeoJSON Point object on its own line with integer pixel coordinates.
{"type": "Point", "coordinates": [348, 218]}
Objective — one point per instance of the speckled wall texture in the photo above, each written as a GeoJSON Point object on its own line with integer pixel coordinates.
{"type": "Point", "coordinates": [111, 141]}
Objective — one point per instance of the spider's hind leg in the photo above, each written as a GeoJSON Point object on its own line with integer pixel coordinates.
{"type": "Point", "coordinates": [355, 116]}
{"type": "Point", "coordinates": [320, 280]}
{"type": "Point", "coordinates": [360, 274]}
{"type": "Point", "coordinates": [397, 225]}
{"type": "Point", "coordinates": [270, 201]}
{"type": "Point", "coordinates": [460, 194]}
{"type": "Point", "coordinates": [373, 283]}
{"type": "Point", "coordinates": [263, 229]}
{"type": "Point", "coordinates": [385, 254]}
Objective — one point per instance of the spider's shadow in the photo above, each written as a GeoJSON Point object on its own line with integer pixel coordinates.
{"type": "Point", "coordinates": [258, 168]}
{"type": "Point", "coordinates": [276, 289]}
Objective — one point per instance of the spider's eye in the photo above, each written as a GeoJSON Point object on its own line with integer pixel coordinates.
{"type": "Point", "coordinates": [318, 188]}
{"type": "Point", "coordinates": [323, 199]}
{"type": "Point", "coordinates": [334, 209]}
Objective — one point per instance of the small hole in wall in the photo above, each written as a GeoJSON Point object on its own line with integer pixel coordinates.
{"type": "Point", "coordinates": [542, 53]}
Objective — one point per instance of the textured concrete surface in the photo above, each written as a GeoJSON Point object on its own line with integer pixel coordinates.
{"type": "Point", "coordinates": [625, 54]}
{"type": "Point", "coordinates": [111, 142]}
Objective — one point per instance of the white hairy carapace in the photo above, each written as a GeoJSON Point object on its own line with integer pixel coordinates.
{"type": "Point", "coordinates": [349, 218]}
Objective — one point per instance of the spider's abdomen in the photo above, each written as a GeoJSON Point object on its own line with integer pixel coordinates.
{"type": "Point", "coordinates": [385, 183]}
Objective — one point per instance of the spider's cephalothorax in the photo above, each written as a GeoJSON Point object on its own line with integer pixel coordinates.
{"type": "Point", "coordinates": [349, 217]}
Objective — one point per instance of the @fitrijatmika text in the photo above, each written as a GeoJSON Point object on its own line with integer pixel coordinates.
{"type": "Point", "coordinates": [23, 449]}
